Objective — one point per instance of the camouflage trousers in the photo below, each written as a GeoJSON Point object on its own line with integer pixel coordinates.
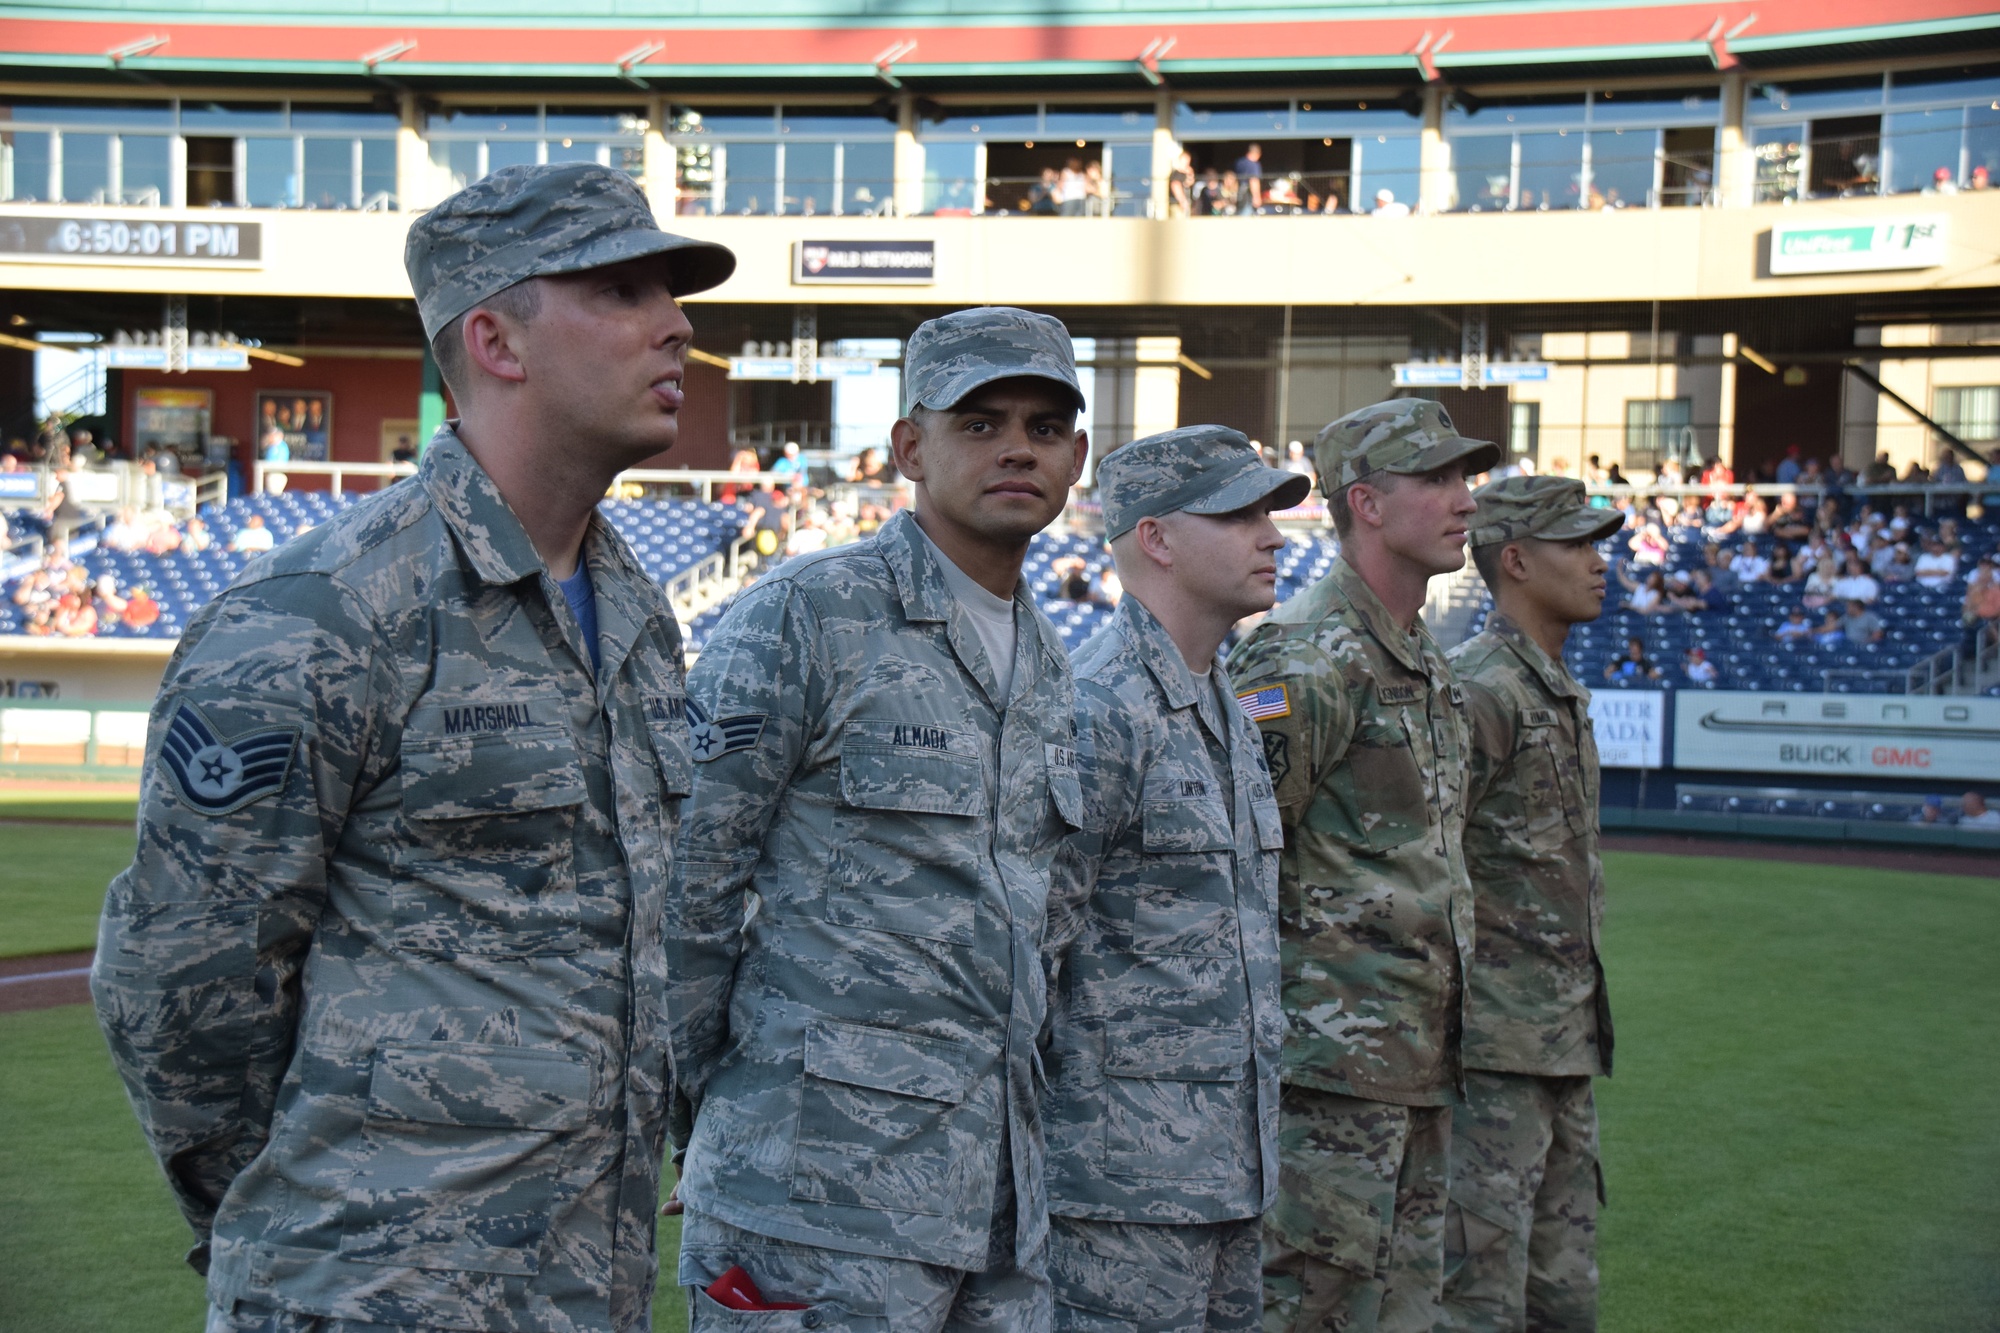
{"type": "Point", "coordinates": [1521, 1230]}
{"type": "Point", "coordinates": [1149, 1277]}
{"type": "Point", "coordinates": [247, 1318]}
{"type": "Point", "coordinates": [857, 1293]}
{"type": "Point", "coordinates": [1356, 1241]}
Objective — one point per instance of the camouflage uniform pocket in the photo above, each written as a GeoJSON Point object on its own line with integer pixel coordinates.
{"type": "Point", "coordinates": [1381, 798]}
{"type": "Point", "coordinates": [488, 867]}
{"type": "Point", "coordinates": [1337, 1219]}
{"type": "Point", "coordinates": [461, 1155]}
{"type": "Point", "coordinates": [1538, 774]}
{"type": "Point", "coordinates": [880, 1124]}
{"type": "Point", "coordinates": [1185, 901]}
{"type": "Point", "coordinates": [1173, 1100]}
{"type": "Point", "coordinates": [905, 813]}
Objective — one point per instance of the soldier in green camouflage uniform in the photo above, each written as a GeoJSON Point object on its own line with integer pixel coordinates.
{"type": "Point", "coordinates": [385, 979]}
{"type": "Point", "coordinates": [1365, 736]}
{"type": "Point", "coordinates": [1521, 1230]}
{"type": "Point", "coordinates": [885, 765]}
{"type": "Point", "coordinates": [1162, 1112]}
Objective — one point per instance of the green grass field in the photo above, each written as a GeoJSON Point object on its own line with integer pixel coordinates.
{"type": "Point", "coordinates": [1799, 1138]}
{"type": "Point", "coordinates": [54, 881]}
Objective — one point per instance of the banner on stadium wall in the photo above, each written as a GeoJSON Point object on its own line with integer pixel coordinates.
{"type": "Point", "coordinates": [1630, 726]}
{"type": "Point", "coordinates": [1876, 244]}
{"type": "Point", "coordinates": [1873, 735]}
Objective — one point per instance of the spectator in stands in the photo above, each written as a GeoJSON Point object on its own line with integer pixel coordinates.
{"type": "Point", "coordinates": [1648, 545]}
{"type": "Point", "coordinates": [788, 466]}
{"type": "Point", "coordinates": [1947, 533]}
{"type": "Point", "coordinates": [15, 459]}
{"type": "Point", "coordinates": [1982, 599]}
{"type": "Point", "coordinates": [1881, 472]}
{"type": "Point", "coordinates": [1936, 568]}
{"type": "Point", "coordinates": [1789, 467]}
{"type": "Point", "coordinates": [770, 520]}
{"type": "Point", "coordinates": [1649, 595]}
{"type": "Point", "coordinates": [196, 538]}
{"type": "Point", "coordinates": [1634, 666]}
{"type": "Point", "coordinates": [1789, 522]}
{"type": "Point", "coordinates": [1795, 628]}
{"type": "Point", "coordinates": [161, 534]}
{"type": "Point", "coordinates": [1110, 588]}
{"type": "Point", "coordinates": [1387, 207]}
{"type": "Point", "coordinates": [1860, 625]}
{"type": "Point", "coordinates": [75, 617]}
{"type": "Point", "coordinates": [104, 597]}
{"type": "Point", "coordinates": [1855, 583]}
{"type": "Point", "coordinates": [1974, 812]}
{"type": "Point", "coordinates": [1930, 812]}
{"type": "Point", "coordinates": [872, 468]}
{"type": "Point", "coordinates": [1297, 460]}
{"type": "Point", "coordinates": [1916, 473]}
{"type": "Point", "coordinates": [1749, 566]}
{"type": "Point", "coordinates": [1075, 576]}
{"type": "Point", "coordinates": [1782, 570]}
{"type": "Point", "coordinates": [1898, 568]}
{"type": "Point", "coordinates": [1753, 515]}
{"type": "Point", "coordinates": [123, 533]}
{"type": "Point", "coordinates": [1819, 589]}
{"type": "Point", "coordinates": [1702, 596]}
{"type": "Point", "coordinates": [1698, 669]}
{"type": "Point", "coordinates": [1950, 472]}
{"type": "Point", "coordinates": [140, 609]}
{"type": "Point", "coordinates": [1250, 174]}
{"type": "Point", "coordinates": [809, 534]}
{"type": "Point", "coordinates": [274, 448]}
{"type": "Point", "coordinates": [1721, 567]}
{"type": "Point", "coordinates": [253, 537]}
{"type": "Point", "coordinates": [1829, 634]}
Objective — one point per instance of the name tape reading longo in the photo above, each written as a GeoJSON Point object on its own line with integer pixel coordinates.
{"type": "Point", "coordinates": [168, 241]}
{"type": "Point", "coordinates": [864, 261]}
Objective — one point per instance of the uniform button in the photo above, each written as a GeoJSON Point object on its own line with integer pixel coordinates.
{"type": "Point", "coordinates": [812, 1319]}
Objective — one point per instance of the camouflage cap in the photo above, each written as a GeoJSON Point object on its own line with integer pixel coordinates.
{"type": "Point", "coordinates": [1196, 470]}
{"type": "Point", "coordinates": [950, 356]}
{"type": "Point", "coordinates": [1408, 436]}
{"type": "Point", "coordinates": [536, 221]}
{"type": "Point", "coordinates": [1550, 509]}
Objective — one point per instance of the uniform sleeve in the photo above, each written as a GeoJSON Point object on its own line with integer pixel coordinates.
{"type": "Point", "coordinates": [750, 697]}
{"type": "Point", "coordinates": [1492, 722]}
{"type": "Point", "coordinates": [1298, 696]}
{"type": "Point", "coordinates": [1105, 746]}
{"type": "Point", "coordinates": [257, 747]}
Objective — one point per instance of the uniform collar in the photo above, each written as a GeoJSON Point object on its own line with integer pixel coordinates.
{"type": "Point", "coordinates": [921, 588]}
{"type": "Point", "coordinates": [1156, 648]}
{"type": "Point", "coordinates": [1404, 646]}
{"type": "Point", "coordinates": [1555, 677]}
{"type": "Point", "coordinates": [494, 542]}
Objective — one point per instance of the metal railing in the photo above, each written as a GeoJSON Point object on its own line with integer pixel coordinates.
{"type": "Point", "coordinates": [1960, 667]}
{"type": "Point", "coordinates": [699, 482]}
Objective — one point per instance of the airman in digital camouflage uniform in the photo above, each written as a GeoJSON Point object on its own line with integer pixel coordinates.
{"type": "Point", "coordinates": [1162, 1113]}
{"type": "Point", "coordinates": [1521, 1229]}
{"type": "Point", "coordinates": [885, 765]}
{"type": "Point", "coordinates": [1366, 739]}
{"type": "Point", "coordinates": [385, 979]}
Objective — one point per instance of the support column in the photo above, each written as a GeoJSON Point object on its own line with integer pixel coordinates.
{"type": "Point", "coordinates": [656, 159]}
{"type": "Point", "coordinates": [1725, 406]}
{"type": "Point", "coordinates": [1735, 166]}
{"type": "Point", "coordinates": [1166, 150]}
{"type": "Point", "coordinates": [413, 165]}
{"type": "Point", "coordinates": [1434, 183]}
{"type": "Point", "coordinates": [909, 157]}
{"type": "Point", "coordinates": [430, 403]}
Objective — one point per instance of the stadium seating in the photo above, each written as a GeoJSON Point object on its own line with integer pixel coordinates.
{"type": "Point", "coordinates": [669, 537]}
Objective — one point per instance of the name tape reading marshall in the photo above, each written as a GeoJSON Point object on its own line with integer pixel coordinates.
{"type": "Point", "coordinates": [124, 240]}
{"type": "Point", "coordinates": [871, 262]}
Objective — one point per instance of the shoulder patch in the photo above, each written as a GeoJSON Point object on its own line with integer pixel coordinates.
{"type": "Point", "coordinates": [1269, 702]}
{"type": "Point", "coordinates": [219, 777]}
{"type": "Point", "coordinates": [710, 739]}
{"type": "Point", "coordinates": [1408, 693]}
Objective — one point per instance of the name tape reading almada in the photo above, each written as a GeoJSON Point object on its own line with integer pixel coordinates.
{"type": "Point", "coordinates": [117, 240]}
{"type": "Point", "coordinates": [816, 262]}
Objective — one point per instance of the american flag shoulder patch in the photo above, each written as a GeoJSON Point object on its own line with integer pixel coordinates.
{"type": "Point", "coordinates": [1269, 702]}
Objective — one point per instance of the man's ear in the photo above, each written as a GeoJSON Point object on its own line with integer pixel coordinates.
{"type": "Point", "coordinates": [492, 345]}
{"type": "Point", "coordinates": [906, 445]}
{"type": "Point", "coordinates": [1364, 502]}
{"type": "Point", "coordinates": [1082, 456]}
{"type": "Point", "coordinates": [1513, 563]}
{"type": "Point", "coordinates": [1149, 535]}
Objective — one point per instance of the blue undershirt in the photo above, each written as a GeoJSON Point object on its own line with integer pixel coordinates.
{"type": "Point", "coordinates": [582, 599]}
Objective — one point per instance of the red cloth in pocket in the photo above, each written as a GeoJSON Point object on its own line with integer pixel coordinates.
{"type": "Point", "coordinates": [735, 1291]}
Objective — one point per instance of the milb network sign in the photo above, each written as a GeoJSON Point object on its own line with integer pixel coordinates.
{"type": "Point", "coordinates": [870, 262]}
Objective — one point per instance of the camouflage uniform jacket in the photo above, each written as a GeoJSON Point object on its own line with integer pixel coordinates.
{"type": "Point", "coordinates": [1537, 1001]}
{"type": "Point", "coordinates": [1163, 1068]}
{"type": "Point", "coordinates": [385, 979]}
{"type": "Point", "coordinates": [1365, 738]}
{"type": "Point", "coordinates": [856, 928]}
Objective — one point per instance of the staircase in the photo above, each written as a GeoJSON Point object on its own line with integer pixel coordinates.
{"type": "Point", "coordinates": [1451, 603]}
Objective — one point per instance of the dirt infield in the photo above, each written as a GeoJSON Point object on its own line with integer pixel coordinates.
{"type": "Point", "coordinates": [44, 981]}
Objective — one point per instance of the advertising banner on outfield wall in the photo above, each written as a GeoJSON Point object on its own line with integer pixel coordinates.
{"type": "Point", "coordinates": [1630, 727]}
{"type": "Point", "coordinates": [1872, 735]}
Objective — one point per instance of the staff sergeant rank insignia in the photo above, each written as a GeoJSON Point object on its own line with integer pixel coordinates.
{"type": "Point", "coordinates": [218, 777]}
{"type": "Point", "coordinates": [714, 739]}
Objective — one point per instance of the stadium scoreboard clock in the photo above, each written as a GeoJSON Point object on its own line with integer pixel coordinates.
{"type": "Point", "coordinates": [165, 242]}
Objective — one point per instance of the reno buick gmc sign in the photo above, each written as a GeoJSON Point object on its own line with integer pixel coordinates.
{"type": "Point", "coordinates": [1879, 736]}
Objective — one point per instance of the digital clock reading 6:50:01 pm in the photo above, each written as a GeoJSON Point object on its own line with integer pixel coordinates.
{"type": "Point", "coordinates": [170, 241]}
